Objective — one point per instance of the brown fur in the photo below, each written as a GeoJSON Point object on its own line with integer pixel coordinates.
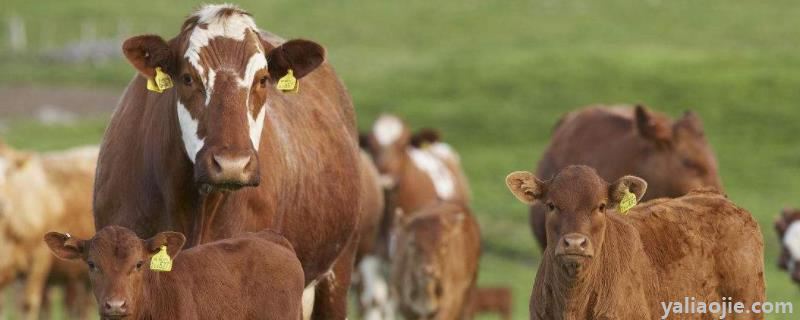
{"type": "Point", "coordinates": [304, 181]}
{"type": "Point", "coordinates": [673, 156]}
{"type": "Point", "coordinates": [493, 300]}
{"type": "Point", "coordinates": [253, 275]}
{"type": "Point", "coordinates": [700, 245]}
{"type": "Point", "coordinates": [41, 192]}
{"type": "Point", "coordinates": [435, 262]}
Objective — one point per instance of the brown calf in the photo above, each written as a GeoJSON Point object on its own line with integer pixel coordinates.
{"type": "Point", "coordinates": [673, 156]}
{"type": "Point", "coordinates": [493, 300]}
{"type": "Point", "coordinates": [40, 192]}
{"type": "Point", "coordinates": [250, 276]}
{"type": "Point", "coordinates": [787, 226]}
{"type": "Point", "coordinates": [606, 265]}
{"type": "Point", "coordinates": [435, 256]}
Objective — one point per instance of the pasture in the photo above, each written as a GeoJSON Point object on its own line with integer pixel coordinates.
{"type": "Point", "coordinates": [494, 77]}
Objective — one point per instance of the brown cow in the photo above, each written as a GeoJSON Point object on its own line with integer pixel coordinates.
{"type": "Point", "coordinates": [787, 226]}
{"type": "Point", "coordinates": [493, 300]}
{"type": "Point", "coordinates": [39, 192]}
{"type": "Point", "coordinates": [224, 151]}
{"type": "Point", "coordinates": [435, 256]}
{"type": "Point", "coordinates": [673, 156]}
{"type": "Point", "coordinates": [606, 265]}
{"type": "Point", "coordinates": [250, 276]}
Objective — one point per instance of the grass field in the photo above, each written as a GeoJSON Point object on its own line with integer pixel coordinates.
{"type": "Point", "coordinates": [494, 76]}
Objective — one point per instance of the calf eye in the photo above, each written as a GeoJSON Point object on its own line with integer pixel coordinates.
{"type": "Point", "coordinates": [602, 207]}
{"type": "Point", "coordinates": [551, 206]}
{"type": "Point", "coordinates": [187, 79]}
{"type": "Point", "coordinates": [139, 265]}
{"type": "Point", "coordinates": [91, 265]}
{"type": "Point", "coordinates": [263, 82]}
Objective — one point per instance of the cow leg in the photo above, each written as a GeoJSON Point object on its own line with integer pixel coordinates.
{"type": "Point", "coordinates": [373, 290]}
{"type": "Point", "coordinates": [35, 281]}
{"type": "Point", "coordinates": [330, 301]}
{"type": "Point", "coordinates": [537, 222]}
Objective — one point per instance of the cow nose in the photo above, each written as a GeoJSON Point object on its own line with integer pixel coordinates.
{"type": "Point", "coordinates": [575, 242]}
{"type": "Point", "coordinates": [231, 165]}
{"type": "Point", "coordinates": [115, 306]}
{"type": "Point", "coordinates": [233, 169]}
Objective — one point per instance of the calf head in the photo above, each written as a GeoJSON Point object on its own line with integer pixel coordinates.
{"type": "Point", "coordinates": [578, 202]}
{"type": "Point", "coordinates": [387, 144]}
{"type": "Point", "coordinates": [223, 73]}
{"type": "Point", "coordinates": [117, 261]}
{"type": "Point", "coordinates": [787, 226]}
{"type": "Point", "coordinates": [678, 158]}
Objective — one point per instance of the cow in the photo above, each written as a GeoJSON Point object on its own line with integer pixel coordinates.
{"type": "Point", "coordinates": [608, 263]}
{"type": "Point", "coordinates": [435, 255]}
{"type": "Point", "coordinates": [496, 300]}
{"type": "Point", "coordinates": [250, 276]}
{"type": "Point", "coordinates": [224, 150]}
{"type": "Point", "coordinates": [37, 192]}
{"type": "Point", "coordinates": [787, 227]}
{"type": "Point", "coordinates": [673, 156]}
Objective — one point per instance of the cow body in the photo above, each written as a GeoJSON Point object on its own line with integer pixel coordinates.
{"type": "Point", "coordinates": [300, 174]}
{"type": "Point", "coordinates": [673, 156]}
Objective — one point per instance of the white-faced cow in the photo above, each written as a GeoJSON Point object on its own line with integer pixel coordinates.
{"type": "Point", "coordinates": [224, 151]}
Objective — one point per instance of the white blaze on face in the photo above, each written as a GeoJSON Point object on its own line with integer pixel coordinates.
{"type": "Point", "coordinates": [440, 175]}
{"type": "Point", "coordinates": [387, 129]}
{"type": "Point", "coordinates": [191, 141]}
{"type": "Point", "coordinates": [791, 240]}
{"type": "Point", "coordinates": [212, 77]}
{"type": "Point", "coordinates": [232, 26]}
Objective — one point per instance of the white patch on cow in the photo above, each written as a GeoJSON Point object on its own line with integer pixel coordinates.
{"type": "Point", "coordinates": [233, 26]}
{"type": "Point", "coordinates": [191, 140]}
{"type": "Point", "coordinates": [212, 76]}
{"type": "Point", "coordinates": [256, 62]}
{"type": "Point", "coordinates": [436, 169]}
{"type": "Point", "coordinates": [257, 125]}
{"type": "Point", "coordinates": [308, 299]}
{"type": "Point", "coordinates": [791, 240]}
{"type": "Point", "coordinates": [443, 151]}
{"type": "Point", "coordinates": [387, 129]}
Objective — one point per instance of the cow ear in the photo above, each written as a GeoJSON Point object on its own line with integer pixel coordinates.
{"type": "Point", "coordinates": [635, 185]}
{"type": "Point", "coordinates": [425, 136]}
{"type": "Point", "coordinates": [146, 52]}
{"type": "Point", "coordinates": [60, 248]}
{"type": "Point", "coordinates": [782, 222]}
{"type": "Point", "coordinates": [302, 56]}
{"type": "Point", "coordinates": [689, 121]}
{"type": "Point", "coordinates": [173, 240]}
{"type": "Point", "coordinates": [650, 127]}
{"type": "Point", "coordinates": [525, 186]}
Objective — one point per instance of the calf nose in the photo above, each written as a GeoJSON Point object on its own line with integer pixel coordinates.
{"type": "Point", "coordinates": [575, 242]}
{"type": "Point", "coordinates": [115, 306]}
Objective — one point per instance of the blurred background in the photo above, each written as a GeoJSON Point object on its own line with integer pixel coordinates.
{"type": "Point", "coordinates": [493, 76]}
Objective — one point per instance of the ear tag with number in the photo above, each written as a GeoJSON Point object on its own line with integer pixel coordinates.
{"type": "Point", "coordinates": [161, 261]}
{"type": "Point", "coordinates": [628, 201]}
{"type": "Point", "coordinates": [288, 83]}
{"type": "Point", "coordinates": [161, 82]}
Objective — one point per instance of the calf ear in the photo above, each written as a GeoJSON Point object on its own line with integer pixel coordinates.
{"type": "Point", "coordinates": [525, 186]}
{"type": "Point", "coordinates": [147, 52]}
{"type": "Point", "coordinates": [650, 127]}
{"type": "Point", "coordinates": [425, 136]}
{"type": "Point", "coordinates": [635, 185]}
{"type": "Point", "coordinates": [302, 56]}
{"type": "Point", "coordinates": [781, 222]}
{"type": "Point", "coordinates": [173, 240]}
{"type": "Point", "coordinates": [58, 245]}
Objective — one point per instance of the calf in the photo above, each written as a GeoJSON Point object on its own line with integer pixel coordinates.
{"type": "Point", "coordinates": [606, 265]}
{"type": "Point", "coordinates": [39, 192]}
{"type": "Point", "coordinates": [787, 226]}
{"type": "Point", "coordinates": [251, 276]}
{"type": "Point", "coordinates": [673, 156]}
{"type": "Point", "coordinates": [435, 262]}
{"type": "Point", "coordinates": [493, 300]}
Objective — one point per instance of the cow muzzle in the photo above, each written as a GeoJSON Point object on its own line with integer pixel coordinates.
{"type": "Point", "coordinates": [573, 251]}
{"type": "Point", "coordinates": [227, 170]}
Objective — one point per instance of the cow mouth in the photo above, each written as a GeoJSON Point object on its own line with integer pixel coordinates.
{"type": "Point", "coordinates": [225, 186]}
{"type": "Point", "coordinates": [573, 263]}
{"type": "Point", "coordinates": [113, 316]}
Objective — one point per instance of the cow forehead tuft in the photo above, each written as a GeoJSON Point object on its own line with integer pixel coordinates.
{"type": "Point", "coordinates": [387, 129]}
{"type": "Point", "coordinates": [791, 239]}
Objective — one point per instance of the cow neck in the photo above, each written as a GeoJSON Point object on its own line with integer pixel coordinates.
{"type": "Point", "coordinates": [209, 207]}
{"type": "Point", "coordinates": [160, 296]}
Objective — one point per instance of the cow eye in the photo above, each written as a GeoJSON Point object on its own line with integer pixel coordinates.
{"type": "Point", "coordinates": [602, 207]}
{"type": "Point", "coordinates": [92, 266]}
{"type": "Point", "coordinates": [187, 80]}
{"type": "Point", "coordinates": [139, 265]}
{"type": "Point", "coordinates": [551, 206]}
{"type": "Point", "coordinates": [263, 82]}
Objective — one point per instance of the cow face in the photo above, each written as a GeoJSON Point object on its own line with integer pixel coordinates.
{"type": "Point", "coordinates": [577, 202]}
{"type": "Point", "coordinates": [118, 261]}
{"type": "Point", "coordinates": [787, 226]}
{"type": "Point", "coordinates": [223, 74]}
{"type": "Point", "coordinates": [679, 158]}
{"type": "Point", "coordinates": [387, 144]}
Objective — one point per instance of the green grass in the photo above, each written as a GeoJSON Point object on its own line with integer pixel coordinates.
{"type": "Point", "coordinates": [495, 75]}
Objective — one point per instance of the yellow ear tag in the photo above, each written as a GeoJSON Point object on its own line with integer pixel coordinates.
{"type": "Point", "coordinates": [161, 261]}
{"type": "Point", "coordinates": [288, 83]}
{"type": "Point", "coordinates": [627, 202]}
{"type": "Point", "coordinates": [161, 82]}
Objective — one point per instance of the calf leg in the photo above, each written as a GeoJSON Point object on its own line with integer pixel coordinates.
{"type": "Point", "coordinates": [330, 299]}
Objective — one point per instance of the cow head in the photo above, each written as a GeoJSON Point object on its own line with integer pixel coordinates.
{"type": "Point", "coordinates": [678, 158]}
{"type": "Point", "coordinates": [118, 261]}
{"type": "Point", "coordinates": [387, 143]}
{"type": "Point", "coordinates": [787, 226]}
{"type": "Point", "coordinates": [577, 201]}
{"type": "Point", "coordinates": [223, 74]}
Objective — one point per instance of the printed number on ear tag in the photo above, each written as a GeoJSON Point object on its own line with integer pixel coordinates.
{"type": "Point", "coordinates": [628, 201]}
{"type": "Point", "coordinates": [161, 82]}
{"type": "Point", "coordinates": [161, 261]}
{"type": "Point", "coordinates": [288, 83]}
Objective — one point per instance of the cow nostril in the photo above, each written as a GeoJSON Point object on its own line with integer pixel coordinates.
{"type": "Point", "coordinates": [115, 305]}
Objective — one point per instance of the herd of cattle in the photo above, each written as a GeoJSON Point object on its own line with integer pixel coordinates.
{"type": "Point", "coordinates": [279, 204]}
